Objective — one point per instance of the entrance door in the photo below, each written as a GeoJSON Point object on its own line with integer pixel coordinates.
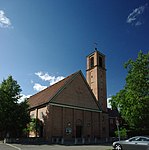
{"type": "Point", "coordinates": [41, 131]}
{"type": "Point", "coordinates": [78, 131]}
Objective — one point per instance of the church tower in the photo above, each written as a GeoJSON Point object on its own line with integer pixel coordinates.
{"type": "Point", "coordinates": [96, 77]}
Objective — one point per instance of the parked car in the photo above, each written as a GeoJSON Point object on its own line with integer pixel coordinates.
{"type": "Point", "coordinates": [134, 143]}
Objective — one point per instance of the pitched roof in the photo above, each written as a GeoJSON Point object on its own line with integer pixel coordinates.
{"type": "Point", "coordinates": [47, 94]}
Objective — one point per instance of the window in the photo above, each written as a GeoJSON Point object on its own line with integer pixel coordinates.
{"type": "Point", "coordinates": [100, 61]}
{"type": "Point", "coordinates": [134, 139]}
{"type": "Point", "coordinates": [92, 79]}
{"type": "Point", "coordinates": [32, 115]}
{"type": "Point", "coordinates": [143, 139]}
{"type": "Point", "coordinates": [92, 62]}
{"type": "Point", "coordinates": [41, 115]}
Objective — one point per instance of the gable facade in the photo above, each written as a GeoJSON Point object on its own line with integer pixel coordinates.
{"type": "Point", "coordinates": [76, 94]}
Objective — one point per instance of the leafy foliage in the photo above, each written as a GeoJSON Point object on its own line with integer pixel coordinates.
{"type": "Point", "coordinates": [13, 115]}
{"type": "Point", "coordinates": [133, 100]}
{"type": "Point", "coordinates": [34, 125]}
{"type": "Point", "coordinates": [122, 132]}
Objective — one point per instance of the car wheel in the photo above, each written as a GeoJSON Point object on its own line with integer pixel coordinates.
{"type": "Point", "coordinates": [118, 147]}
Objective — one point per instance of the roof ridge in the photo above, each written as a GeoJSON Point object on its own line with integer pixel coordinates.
{"type": "Point", "coordinates": [67, 82]}
{"type": "Point", "coordinates": [50, 92]}
{"type": "Point", "coordinates": [54, 84]}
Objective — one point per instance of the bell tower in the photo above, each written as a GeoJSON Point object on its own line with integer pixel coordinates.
{"type": "Point", "coordinates": [96, 77]}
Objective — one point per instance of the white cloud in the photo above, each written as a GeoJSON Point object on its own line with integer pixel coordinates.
{"type": "Point", "coordinates": [108, 103]}
{"type": "Point", "coordinates": [134, 17]}
{"type": "Point", "coordinates": [138, 23]}
{"type": "Point", "coordinates": [47, 77]}
{"type": "Point", "coordinates": [4, 21]}
{"type": "Point", "coordinates": [23, 97]}
{"type": "Point", "coordinates": [38, 87]}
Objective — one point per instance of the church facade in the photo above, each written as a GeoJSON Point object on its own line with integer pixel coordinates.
{"type": "Point", "coordinates": [74, 108]}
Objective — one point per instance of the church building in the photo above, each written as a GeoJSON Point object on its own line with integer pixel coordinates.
{"type": "Point", "coordinates": [75, 108]}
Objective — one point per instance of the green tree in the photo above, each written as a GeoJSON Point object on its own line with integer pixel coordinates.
{"type": "Point", "coordinates": [22, 116]}
{"type": "Point", "coordinates": [13, 115]}
{"type": "Point", "coordinates": [122, 132]}
{"type": "Point", "coordinates": [133, 100]}
{"type": "Point", "coordinates": [34, 126]}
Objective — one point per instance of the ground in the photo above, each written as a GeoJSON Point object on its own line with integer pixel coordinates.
{"type": "Point", "coordinates": [53, 147]}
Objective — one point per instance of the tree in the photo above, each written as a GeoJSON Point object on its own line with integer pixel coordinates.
{"type": "Point", "coordinates": [22, 116]}
{"type": "Point", "coordinates": [122, 132]}
{"type": "Point", "coordinates": [34, 126]}
{"type": "Point", "coordinates": [133, 100]}
{"type": "Point", "coordinates": [13, 115]}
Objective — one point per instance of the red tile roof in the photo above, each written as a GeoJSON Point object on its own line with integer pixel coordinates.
{"type": "Point", "coordinates": [47, 94]}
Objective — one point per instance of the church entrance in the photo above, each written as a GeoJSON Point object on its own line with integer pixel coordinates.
{"type": "Point", "coordinates": [78, 131]}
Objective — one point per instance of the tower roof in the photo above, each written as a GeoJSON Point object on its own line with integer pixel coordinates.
{"type": "Point", "coordinates": [94, 52]}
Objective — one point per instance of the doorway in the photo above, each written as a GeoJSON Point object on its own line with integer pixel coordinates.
{"type": "Point", "coordinates": [41, 131]}
{"type": "Point", "coordinates": [78, 131]}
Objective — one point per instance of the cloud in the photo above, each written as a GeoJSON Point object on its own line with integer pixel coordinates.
{"type": "Point", "coordinates": [135, 17]}
{"type": "Point", "coordinates": [47, 77]}
{"type": "Point", "coordinates": [4, 21]}
{"type": "Point", "coordinates": [23, 97]}
{"type": "Point", "coordinates": [38, 87]}
{"type": "Point", "coordinates": [108, 103]}
{"type": "Point", "coordinates": [32, 81]}
{"type": "Point", "coordinates": [138, 23]}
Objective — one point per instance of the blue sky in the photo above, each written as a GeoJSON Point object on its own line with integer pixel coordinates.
{"type": "Point", "coordinates": [43, 41]}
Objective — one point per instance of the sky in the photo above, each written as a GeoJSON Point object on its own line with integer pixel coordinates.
{"type": "Point", "coordinates": [44, 41]}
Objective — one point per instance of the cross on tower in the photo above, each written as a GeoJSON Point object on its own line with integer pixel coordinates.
{"type": "Point", "coordinates": [95, 45]}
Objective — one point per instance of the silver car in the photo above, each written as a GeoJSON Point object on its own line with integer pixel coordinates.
{"type": "Point", "coordinates": [134, 143]}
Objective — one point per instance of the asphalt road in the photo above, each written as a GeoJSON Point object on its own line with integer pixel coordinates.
{"type": "Point", "coordinates": [53, 147]}
{"type": "Point", "coordinates": [7, 147]}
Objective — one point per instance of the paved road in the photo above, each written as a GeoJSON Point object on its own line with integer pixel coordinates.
{"type": "Point", "coordinates": [7, 147]}
{"type": "Point", "coordinates": [52, 147]}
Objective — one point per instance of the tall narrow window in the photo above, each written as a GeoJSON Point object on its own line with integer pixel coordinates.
{"type": "Point", "coordinates": [92, 62]}
{"type": "Point", "coordinates": [32, 115]}
{"type": "Point", "coordinates": [100, 61]}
